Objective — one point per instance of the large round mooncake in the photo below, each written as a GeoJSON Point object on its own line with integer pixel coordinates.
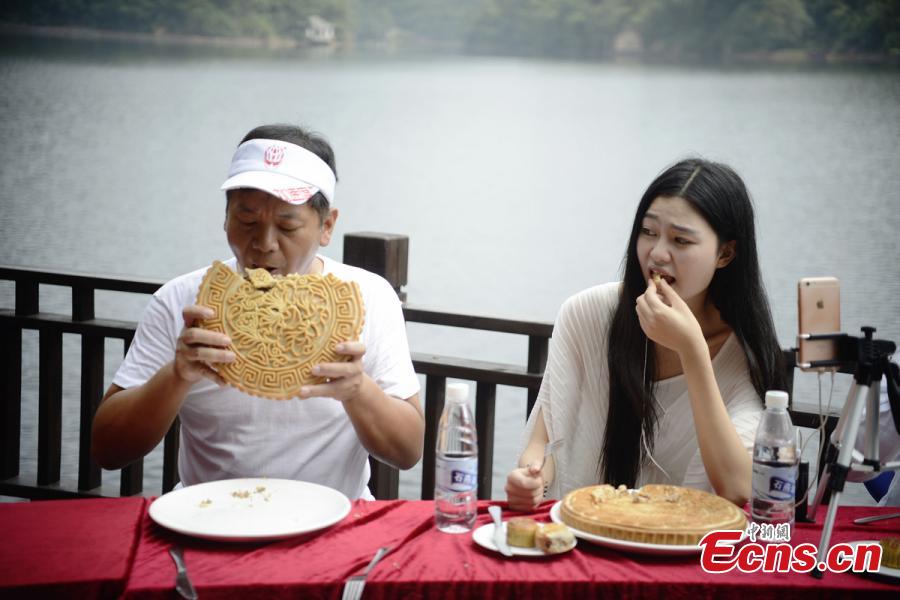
{"type": "Point", "coordinates": [280, 326]}
{"type": "Point", "coordinates": [654, 514]}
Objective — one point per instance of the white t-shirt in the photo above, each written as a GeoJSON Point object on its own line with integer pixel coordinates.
{"type": "Point", "coordinates": [574, 400]}
{"type": "Point", "coordinates": [226, 433]}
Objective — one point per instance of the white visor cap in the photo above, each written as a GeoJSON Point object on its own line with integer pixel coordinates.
{"type": "Point", "coordinates": [285, 170]}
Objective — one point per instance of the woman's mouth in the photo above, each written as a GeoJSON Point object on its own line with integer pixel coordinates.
{"type": "Point", "coordinates": [656, 275]}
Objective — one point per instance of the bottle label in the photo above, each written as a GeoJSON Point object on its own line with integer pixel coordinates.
{"type": "Point", "coordinates": [456, 474]}
{"type": "Point", "coordinates": [774, 482]}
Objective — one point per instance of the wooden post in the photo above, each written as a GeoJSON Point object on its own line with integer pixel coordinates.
{"type": "Point", "coordinates": [132, 481]}
{"type": "Point", "coordinates": [538, 348]}
{"type": "Point", "coordinates": [11, 400]}
{"type": "Point", "coordinates": [485, 409]}
{"type": "Point", "coordinates": [172, 441]}
{"type": "Point", "coordinates": [27, 302]}
{"type": "Point", "coordinates": [49, 405]}
{"type": "Point", "coordinates": [384, 254]}
{"type": "Point", "coordinates": [384, 482]}
{"type": "Point", "coordinates": [92, 359]}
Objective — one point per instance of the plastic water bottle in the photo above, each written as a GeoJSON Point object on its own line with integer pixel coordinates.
{"type": "Point", "coordinates": [456, 464]}
{"type": "Point", "coordinates": [775, 461]}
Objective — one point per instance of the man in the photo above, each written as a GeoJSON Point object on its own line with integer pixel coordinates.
{"type": "Point", "coordinates": [279, 190]}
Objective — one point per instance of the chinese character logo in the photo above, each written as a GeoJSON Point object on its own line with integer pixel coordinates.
{"type": "Point", "coordinates": [296, 195]}
{"type": "Point", "coordinates": [463, 478]}
{"type": "Point", "coordinates": [274, 155]}
{"type": "Point", "coordinates": [783, 486]}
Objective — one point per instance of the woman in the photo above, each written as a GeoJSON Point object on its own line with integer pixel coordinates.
{"type": "Point", "coordinates": [659, 379]}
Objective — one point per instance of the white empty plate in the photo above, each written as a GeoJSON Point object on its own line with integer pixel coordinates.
{"type": "Point", "coordinates": [254, 509]}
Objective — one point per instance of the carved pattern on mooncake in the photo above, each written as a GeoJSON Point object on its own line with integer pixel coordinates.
{"type": "Point", "coordinates": [280, 327]}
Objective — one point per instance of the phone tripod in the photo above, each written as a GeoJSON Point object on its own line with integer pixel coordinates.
{"type": "Point", "coordinates": [871, 359]}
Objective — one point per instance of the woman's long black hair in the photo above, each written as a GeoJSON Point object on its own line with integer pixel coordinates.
{"type": "Point", "coordinates": [736, 290]}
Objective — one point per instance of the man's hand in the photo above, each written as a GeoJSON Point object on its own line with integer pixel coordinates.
{"type": "Point", "coordinates": [344, 379]}
{"type": "Point", "coordinates": [666, 318]}
{"type": "Point", "coordinates": [197, 349]}
{"type": "Point", "coordinates": [525, 488]}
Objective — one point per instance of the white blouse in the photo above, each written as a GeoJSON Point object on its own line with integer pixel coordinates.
{"type": "Point", "coordinates": [574, 400]}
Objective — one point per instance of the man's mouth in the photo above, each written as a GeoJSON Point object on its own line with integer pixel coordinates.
{"type": "Point", "coordinates": [272, 270]}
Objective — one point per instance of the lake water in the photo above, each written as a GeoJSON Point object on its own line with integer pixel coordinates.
{"type": "Point", "coordinates": [515, 179]}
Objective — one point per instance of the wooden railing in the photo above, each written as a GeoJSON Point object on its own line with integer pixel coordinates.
{"type": "Point", "coordinates": [487, 377]}
{"type": "Point", "coordinates": [51, 327]}
{"type": "Point", "coordinates": [382, 253]}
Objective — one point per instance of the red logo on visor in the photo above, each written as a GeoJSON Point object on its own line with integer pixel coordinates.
{"type": "Point", "coordinates": [274, 155]}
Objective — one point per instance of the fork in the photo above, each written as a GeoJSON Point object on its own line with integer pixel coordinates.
{"type": "Point", "coordinates": [876, 518]}
{"type": "Point", "coordinates": [353, 587]}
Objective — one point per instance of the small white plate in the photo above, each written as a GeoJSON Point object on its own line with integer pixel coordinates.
{"type": "Point", "coordinates": [484, 537]}
{"type": "Point", "coordinates": [627, 546]}
{"type": "Point", "coordinates": [249, 510]}
{"type": "Point", "coordinates": [882, 570]}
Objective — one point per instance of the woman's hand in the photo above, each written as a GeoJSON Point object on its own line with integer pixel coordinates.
{"type": "Point", "coordinates": [197, 348]}
{"type": "Point", "coordinates": [345, 379]}
{"type": "Point", "coordinates": [666, 318]}
{"type": "Point", "coordinates": [525, 488]}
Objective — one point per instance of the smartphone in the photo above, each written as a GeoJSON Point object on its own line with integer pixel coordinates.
{"type": "Point", "coordinates": [819, 311]}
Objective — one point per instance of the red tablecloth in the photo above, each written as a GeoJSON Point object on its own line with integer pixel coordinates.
{"type": "Point", "coordinates": [424, 563]}
{"type": "Point", "coordinates": [68, 548]}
